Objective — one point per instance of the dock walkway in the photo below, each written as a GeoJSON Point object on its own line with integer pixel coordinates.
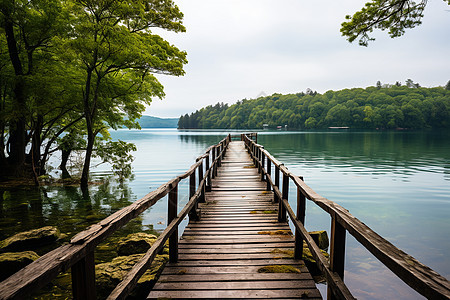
{"type": "Point", "coordinates": [223, 254]}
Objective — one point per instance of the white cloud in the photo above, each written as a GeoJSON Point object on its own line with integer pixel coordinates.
{"type": "Point", "coordinates": [236, 49]}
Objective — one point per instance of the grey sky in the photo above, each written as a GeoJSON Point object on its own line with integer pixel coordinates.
{"type": "Point", "coordinates": [239, 48]}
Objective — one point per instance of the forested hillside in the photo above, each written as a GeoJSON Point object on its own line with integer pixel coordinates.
{"type": "Point", "coordinates": [373, 107]}
{"type": "Point", "coordinates": [155, 122]}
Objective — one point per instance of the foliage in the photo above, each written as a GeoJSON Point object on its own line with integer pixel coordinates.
{"type": "Point", "coordinates": [387, 107]}
{"type": "Point", "coordinates": [392, 15]}
{"type": "Point", "coordinates": [72, 69]}
{"type": "Point", "coordinates": [118, 154]}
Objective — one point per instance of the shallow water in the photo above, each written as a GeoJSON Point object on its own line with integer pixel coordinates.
{"type": "Point", "coordinates": [395, 182]}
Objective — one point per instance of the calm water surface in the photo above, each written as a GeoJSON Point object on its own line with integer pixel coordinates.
{"type": "Point", "coordinates": [398, 183]}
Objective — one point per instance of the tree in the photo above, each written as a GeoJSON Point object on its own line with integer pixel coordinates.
{"type": "Point", "coordinates": [447, 86]}
{"type": "Point", "coordinates": [113, 43]}
{"type": "Point", "coordinates": [392, 15]}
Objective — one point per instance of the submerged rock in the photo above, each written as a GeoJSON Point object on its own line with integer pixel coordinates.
{"type": "Point", "coordinates": [109, 275]}
{"type": "Point", "coordinates": [11, 262]}
{"type": "Point", "coordinates": [135, 243]}
{"type": "Point", "coordinates": [30, 240]}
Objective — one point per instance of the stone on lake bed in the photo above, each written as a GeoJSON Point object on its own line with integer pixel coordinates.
{"type": "Point", "coordinates": [11, 262]}
{"type": "Point", "coordinates": [109, 275]}
{"type": "Point", "coordinates": [135, 243]}
{"type": "Point", "coordinates": [30, 240]}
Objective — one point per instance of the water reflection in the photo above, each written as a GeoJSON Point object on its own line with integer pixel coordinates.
{"type": "Point", "coordinates": [363, 152]}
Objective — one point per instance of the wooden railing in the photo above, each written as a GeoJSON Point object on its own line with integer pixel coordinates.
{"type": "Point", "coordinates": [78, 255]}
{"type": "Point", "coordinates": [418, 276]}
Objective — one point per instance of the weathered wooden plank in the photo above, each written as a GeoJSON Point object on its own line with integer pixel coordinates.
{"type": "Point", "coordinates": [235, 232]}
{"type": "Point", "coordinates": [222, 256]}
{"type": "Point", "coordinates": [236, 285]}
{"type": "Point", "coordinates": [236, 246]}
{"type": "Point", "coordinates": [234, 250]}
{"type": "Point", "coordinates": [213, 270]}
{"type": "Point", "coordinates": [235, 277]}
{"type": "Point", "coordinates": [243, 262]}
{"type": "Point", "coordinates": [238, 237]}
{"type": "Point", "coordinates": [248, 294]}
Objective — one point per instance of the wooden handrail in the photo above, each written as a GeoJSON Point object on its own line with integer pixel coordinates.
{"type": "Point", "coordinates": [417, 275]}
{"type": "Point", "coordinates": [78, 253]}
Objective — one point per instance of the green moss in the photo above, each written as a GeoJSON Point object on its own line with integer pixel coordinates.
{"type": "Point", "coordinates": [276, 232]}
{"type": "Point", "coordinates": [11, 262]}
{"type": "Point", "coordinates": [278, 269]}
{"type": "Point", "coordinates": [135, 243]}
{"type": "Point", "coordinates": [263, 212]}
{"type": "Point", "coordinates": [321, 239]}
{"type": "Point", "coordinates": [288, 252]}
{"type": "Point", "coordinates": [250, 167]}
{"type": "Point", "coordinates": [30, 240]}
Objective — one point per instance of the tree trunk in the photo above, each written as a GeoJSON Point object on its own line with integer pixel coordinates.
{"type": "Point", "coordinates": [17, 139]}
{"type": "Point", "coordinates": [88, 114]}
{"type": "Point", "coordinates": [65, 154]}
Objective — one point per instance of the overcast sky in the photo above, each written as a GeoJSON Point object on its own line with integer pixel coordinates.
{"type": "Point", "coordinates": [240, 48]}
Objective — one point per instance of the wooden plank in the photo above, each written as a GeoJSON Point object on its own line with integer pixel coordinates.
{"type": "Point", "coordinates": [234, 250]}
{"type": "Point", "coordinates": [247, 270]}
{"type": "Point", "coordinates": [248, 294]}
{"type": "Point", "coordinates": [236, 285]}
{"type": "Point", "coordinates": [243, 262]}
{"type": "Point", "coordinates": [234, 277]}
{"type": "Point", "coordinates": [236, 246]}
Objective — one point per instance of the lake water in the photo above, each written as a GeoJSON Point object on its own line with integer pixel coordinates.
{"type": "Point", "coordinates": [398, 183]}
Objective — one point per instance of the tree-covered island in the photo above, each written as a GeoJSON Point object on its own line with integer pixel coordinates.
{"type": "Point", "coordinates": [381, 106]}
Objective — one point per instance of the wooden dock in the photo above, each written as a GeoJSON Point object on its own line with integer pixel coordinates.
{"type": "Point", "coordinates": [223, 255]}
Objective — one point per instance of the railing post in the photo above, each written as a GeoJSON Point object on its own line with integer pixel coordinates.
{"type": "Point", "coordinates": [263, 157]}
{"type": "Point", "coordinates": [277, 182]}
{"type": "Point", "coordinates": [83, 278]}
{"type": "Point", "coordinates": [200, 178]}
{"type": "Point", "coordinates": [208, 178]}
{"type": "Point", "coordinates": [337, 251]}
{"type": "Point", "coordinates": [301, 210]}
{"type": "Point", "coordinates": [172, 213]}
{"type": "Point", "coordinates": [285, 194]}
{"type": "Point", "coordinates": [269, 173]}
{"type": "Point", "coordinates": [213, 166]}
{"type": "Point", "coordinates": [193, 214]}
{"type": "Point", "coordinates": [218, 161]}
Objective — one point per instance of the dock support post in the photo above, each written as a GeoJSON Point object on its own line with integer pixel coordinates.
{"type": "Point", "coordinates": [172, 213]}
{"type": "Point", "coordinates": [200, 178]}
{"type": "Point", "coordinates": [263, 165]}
{"type": "Point", "coordinates": [269, 173]}
{"type": "Point", "coordinates": [216, 149]}
{"type": "Point", "coordinates": [285, 194]}
{"type": "Point", "coordinates": [194, 213]}
{"type": "Point", "coordinates": [83, 278]}
{"type": "Point", "coordinates": [208, 179]}
{"type": "Point", "coordinates": [337, 251]}
{"type": "Point", "coordinates": [277, 182]}
{"type": "Point", "coordinates": [213, 166]}
{"type": "Point", "coordinates": [301, 211]}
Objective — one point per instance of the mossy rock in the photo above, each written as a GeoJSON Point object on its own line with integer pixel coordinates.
{"type": "Point", "coordinates": [11, 262]}
{"type": "Point", "coordinates": [30, 240]}
{"type": "Point", "coordinates": [135, 243]}
{"type": "Point", "coordinates": [109, 275]}
{"type": "Point", "coordinates": [321, 239]}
